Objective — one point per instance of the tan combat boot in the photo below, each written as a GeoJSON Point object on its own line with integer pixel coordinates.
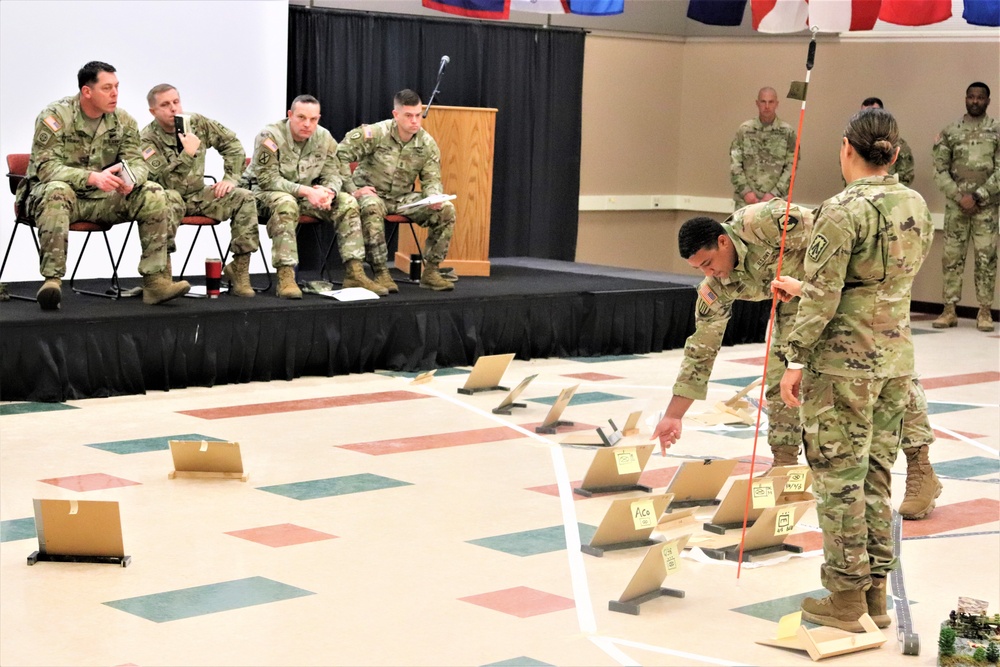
{"type": "Point", "coordinates": [237, 272]}
{"type": "Point", "coordinates": [287, 289]}
{"type": "Point", "coordinates": [784, 455]}
{"type": "Point", "coordinates": [159, 288]}
{"type": "Point", "coordinates": [948, 318]}
{"type": "Point", "coordinates": [384, 278]}
{"type": "Point", "coordinates": [837, 610]}
{"type": "Point", "coordinates": [354, 276]}
{"type": "Point", "coordinates": [50, 294]}
{"type": "Point", "coordinates": [432, 279]}
{"type": "Point", "coordinates": [875, 597]}
{"type": "Point", "coordinates": [984, 320]}
{"type": "Point", "coordinates": [922, 484]}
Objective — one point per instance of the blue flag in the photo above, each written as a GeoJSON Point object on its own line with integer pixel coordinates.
{"type": "Point", "coordinates": [982, 12]}
{"type": "Point", "coordinates": [596, 7]}
{"type": "Point", "coordinates": [717, 12]}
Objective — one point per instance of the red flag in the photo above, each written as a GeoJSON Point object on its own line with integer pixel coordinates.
{"type": "Point", "coordinates": [779, 15]}
{"type": "Point", "coordinates": [843, 15]}
{"type": "Point", "coordinates": [915, 12]}
{"type": "Point", "coordinates": [480, 9]}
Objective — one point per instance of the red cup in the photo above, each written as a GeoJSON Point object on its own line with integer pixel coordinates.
{"type": "Point", "coordinates": [213, 277]}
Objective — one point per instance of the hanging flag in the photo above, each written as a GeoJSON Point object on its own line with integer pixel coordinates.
{"type": "Point", "coordinates": [717, 12]}
{"type": "Point", "coordinates": [779, 15]}
{"type": "Point", "coordinates": [541, 6]}
{"type": "Point", "coordinates": [914, 12]}
{"type": "Point", "coordinates": [596, 7]}
{"type": "Point", "coordinates": [982, 12]}
{"type": "Point", "coordinates": [844, 15]}
{"type": "Point", "coordinates": [480, 9]}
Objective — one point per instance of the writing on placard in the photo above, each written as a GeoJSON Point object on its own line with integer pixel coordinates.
{"type": "Point", "coordinates": [784, 521]}
{"type": "Point", "coordinates": [796, 481]}
{"type": "Point", "coordinates": [762, 494]}
{"type": "Point", "coordinates": [643, 514]}
{"type": "Point", "coordinates": [627, 461]}
{"type": "Point", "coordinates": [671, 557]}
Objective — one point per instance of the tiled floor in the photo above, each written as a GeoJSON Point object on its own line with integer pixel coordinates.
{"type": "Point", "coordinates": [390, 523]}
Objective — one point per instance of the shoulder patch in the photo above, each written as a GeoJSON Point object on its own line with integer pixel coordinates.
{"type": "Point", "coordinates": [816, 248]}
{"type": "Point", "coordinates": [368, 132]}
{"type": "Point", "coordinates": [53, 123]}
{"type": "Point", "coordinates": [270, 145]}
{"type": "Point", "coordinates": [703, 308]}
{"type": "Point", "coordinates": [148, 152]}
{"type": "Point", "coordinates": [706, 293]}
{"type": "Point", "coordinates": [43, 137]}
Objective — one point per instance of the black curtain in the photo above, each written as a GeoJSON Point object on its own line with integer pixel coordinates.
{"type": "Point", "coordinates": [354, 62]}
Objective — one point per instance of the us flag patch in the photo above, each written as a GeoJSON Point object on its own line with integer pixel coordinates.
{"type": "Point", "coordinates": [368, 132]}
{"type": "Point", "coordinates": [148, 153]}
{"type": "Point", "coordinates": [53, 123]}
{"type": "Point", "coordinates": [270, 145]}
{"type": "Point", "coordinates": [707, 294]}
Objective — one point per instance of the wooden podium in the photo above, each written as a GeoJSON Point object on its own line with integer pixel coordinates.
{"type": "Point", "coordinates": [465, 136]}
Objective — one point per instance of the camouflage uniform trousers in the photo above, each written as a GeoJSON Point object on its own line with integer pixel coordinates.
{"type": "Point", "coordinates": [958, 227]}
{"type": "Point", "coordinates": [784, 430]}
{"type": "Point", "coordinates": [852, 432]}
{"type": "Point", "coordinates": [917, 430]}
{"type": "Point", "coordinates": [281, 211]}
{"type": "Point", "coordinates": [55, 204]}
{"type": "Point", "coordinates": [239, 207]}
{"type": "Point", "coordinates": [440, 226]}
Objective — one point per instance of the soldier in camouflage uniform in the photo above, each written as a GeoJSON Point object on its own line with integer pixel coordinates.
{"type": "Point", "coordinates": [903, 166]}
{"type": "Point", "coordinates": [852, 335]}
{"type": "Point", "coordinates": [177, 162]}
{"type": "Point", "coordinates": [75, 173]}
{"type": "Point", "coordinates": [761, 155]}
{"type": "Point", "coordinates": [391, 155]}
{"type": "Point", "coordinates": [740, 259]}
{"type": "Point", "coordinates": [295, 172]}
{"type": "Point", "coordinates": [967, 169]}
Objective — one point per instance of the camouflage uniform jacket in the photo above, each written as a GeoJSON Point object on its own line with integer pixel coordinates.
{"type": "Point", "coordinates": [63, 150]}
{"type": "Point", "coordinates": [389, 165]}
{"type": "Point", "coordinates": [757, 240]}
{"type": "Point", "coordinates": [279, 164]}
{"type": "Point", "coordinates": [761, 157]}
{"type": "Point", "coordinates": [903, 166]}
{"type": "Point", "coordinates": [174, 169]}
{"type": "Point", "coordinates": [967, 160]}
{"type": "Point", "coordinates": [868, 243]}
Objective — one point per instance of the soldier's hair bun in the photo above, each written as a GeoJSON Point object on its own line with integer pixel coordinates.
{"type": "Point", "coordinates": [874, 135]}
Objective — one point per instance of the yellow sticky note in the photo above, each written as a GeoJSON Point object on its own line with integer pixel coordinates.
{"type": "Point", "coordinates": [671, 559]}
{"type": "Point", "coordinates": [789, 624]}
{"type": "Point", "coordinates": [643, 514]}
{"type": "Point", "coordinates": [762, 494]}
{"type": "Point", "coordinates": [627, 461]}
{"type": "Point", "coordinates": [784, 521]}
{"type": "Point", "coordinates": [796, 481]}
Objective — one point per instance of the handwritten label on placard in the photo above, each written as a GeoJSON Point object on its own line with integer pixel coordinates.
{"type": "Point", "coordinates": [784, 521]}
{"type": "Point", "coordinates": [796, 481]}
{"type": "Point", "coordinates": [671, 559]}
{"type": "Point", "coordinates": [643, 514]}
{"type": "Point", "coordinates": [627, 461]}
{"type": "Point", "coordinates": [762, 494]}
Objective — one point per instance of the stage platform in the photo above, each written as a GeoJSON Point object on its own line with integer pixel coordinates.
{"type": "Point", "coordinates": [94, 347]}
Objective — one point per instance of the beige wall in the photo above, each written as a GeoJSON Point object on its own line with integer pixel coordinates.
{"type": "Point", "coordinates": [659, 117]}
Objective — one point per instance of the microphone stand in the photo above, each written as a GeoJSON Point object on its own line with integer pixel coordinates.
{"type": "Point", "coordinates": [435, 92]}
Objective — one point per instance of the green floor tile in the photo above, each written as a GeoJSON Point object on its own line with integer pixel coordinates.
{"type": "Point", "coordinates": [936, 408]}
{"type": "Point", "coordinates": [147, 444]}
{"type": "Point", "coordinates": [533, 542]}
{"type": "Point", "coordinates": [522, 661]}
{"type": "Point", "coordinates": [585, 398]}
{"type": "Point", "coordinates": [607, 357]}
{"type": "Point", "coordinates": [973, 466]}
{"type": "Point", "coordinates": [17, 529]}
{"type": "Point", "coordinates": [441, 372]}
{"type": "Point", "coordinates": [738, 382]}
{"type": "Point", "coordinates": [333, 486]}
{"type": "Point", "coordinates": [773, 610]}
{"type": "Point", "coordinates": [25, 408]}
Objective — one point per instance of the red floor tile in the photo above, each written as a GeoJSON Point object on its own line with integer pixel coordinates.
{"type": "Point", "coordinates": [955, 516]}
{"type": "Point", "coordinates": [521, 601]}
{"type": "Point", "coordinates": [959, 380]}
{"type": "Point", "coordinates": [92, 482]}
{"type": "Point", "coordinates": [281, 535]}
{"type": "Point", "coordinates": [591, 377]}
{"type": "Point", "coordinates": [811, 541]}
{"type": "Point", "coordinates": [972, 436]}
{"type": "Point", "coordinates": [434, 441]}
{"type": "Point", "coordinates": [753, 361]}
{"type": "Point", "coordinates": [308, 404]}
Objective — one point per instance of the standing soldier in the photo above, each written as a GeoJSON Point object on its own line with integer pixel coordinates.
{"type": "Point", "coordinates": [391, 155]}
{"type": "Point", "coordinates": [967, 169]}
{"type": "Point", "coordinates": [851, 353]}
{"type": "Point", "coordinates": [176, 161]}
{"type": "Point", "coordinates": [295, 172]}
{"type": "Point", "coordinates": [903, 166]}
{"type": "Point", "coordinates": [75, 173]}
{"type": "Point", "coordinates": [761, 154]}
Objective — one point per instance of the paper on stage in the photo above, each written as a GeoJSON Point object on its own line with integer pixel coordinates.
{"type": "Point", "coordinates": [427, 201]}
{"type": "Point", "coordinates": [350, 294]}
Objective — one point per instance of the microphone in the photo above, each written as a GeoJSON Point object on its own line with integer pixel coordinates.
{"type": "Point", "coordinates": [444, 61]}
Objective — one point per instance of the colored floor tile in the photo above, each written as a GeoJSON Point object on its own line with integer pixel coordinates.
{"type": "Point", "coordinates": [948, 436]}
{"type": "Point", "coordinates": [597, 360]}
{"type": "Point", "coordinates": [209, 599]}
{"type": "Point", "coordinates": [744, 433]}
{"type": "Point", "coordinates": [916, 331]}
{"type": "Point", "coordinates": [26, 408]}
{"type": "Point", "coordinates": [532, 542]}
{"type": "Point", "coordinates": [973, 466]}
{"type": "Point", "coordinates": [440, 373]}
{"type": "Point", "coordinates": [955, 516]}
{"type": "Point", "coordinates": [737, 382]}
{"type": "Point", "coordinates": [142, 445]}
{"type": "Point", "coordinates": [521, 661]}
{"type": "Point", "coordinates": [281, 535]}
{"type": "Point", "coordinates": [434, 441]}
{"type": "Point", "coordinates": [773, 610]}
{"type": "Point", "coordinates": [959, 380]}
{"type": "Point", "coordinates": [938, 408]}
{"type": "Point", "coordinates": [333, 486]}
{"type": "Point", "coordinates": [584, 398]}
{"type": "Point", "coordinates": [17, 529]}
{"type": "Point", "coordinates": [592, 377]}
{"type": "Point", "coordinates": [753, 361]}
{"type": "Point", "coordinates": [521, 601]}
{"type": "Point", "coordinates": [297, 406]}
{"type": "Point", "coordinates": [92, 482]}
